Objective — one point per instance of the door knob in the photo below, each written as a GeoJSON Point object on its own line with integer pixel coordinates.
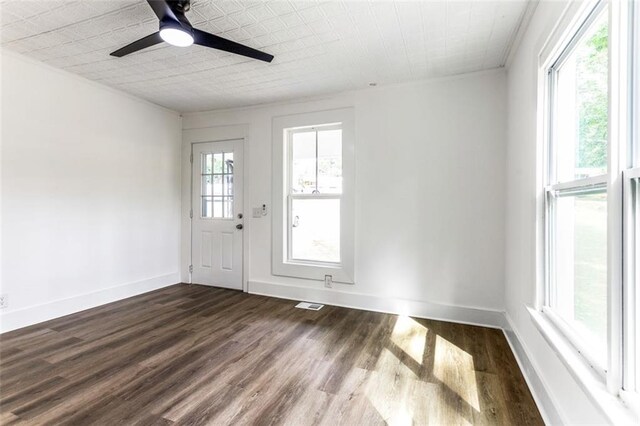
{"type": "Point", "coordinates": [239, 226]}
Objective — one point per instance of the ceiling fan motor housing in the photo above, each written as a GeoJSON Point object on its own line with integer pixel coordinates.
{"type": "Point", "coordinates": [178, 25]}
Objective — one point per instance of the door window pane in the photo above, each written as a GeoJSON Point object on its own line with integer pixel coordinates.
{"type": "Point", "coordinates": [217, 185]}
{"type": "Point", "coordinates": [315, 230]}
{"type": "Point", "coordinates": [227, 166]}
{"type": "Point", "coordinates": [217, 163]}
{"type": "Point", "coordinates": [581, 108]}
{"type": "Point", "coordinates": [580, 266]}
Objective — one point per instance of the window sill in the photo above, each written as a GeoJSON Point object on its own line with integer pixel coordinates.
{"type": "Point", "coordinates": [611, 406]}
{"type": "Point", "coordinates": [309, 271]}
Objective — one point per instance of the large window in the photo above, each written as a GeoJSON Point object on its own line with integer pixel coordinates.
{"type": "Point", "coordinates": [314, 196]}
{"type": "Point", "coordinates": [591, 213]}
{"type": "Point", "coordinates": [576, 191]}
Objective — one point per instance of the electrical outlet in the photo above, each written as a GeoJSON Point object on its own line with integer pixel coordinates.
{"type": "Point", "coordinates": [4, 301]}
{"type": "Point", "coordinates": [328, 281]}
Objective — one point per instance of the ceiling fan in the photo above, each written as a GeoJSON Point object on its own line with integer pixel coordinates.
{"type": "Point", "coordinates": [176, 29]}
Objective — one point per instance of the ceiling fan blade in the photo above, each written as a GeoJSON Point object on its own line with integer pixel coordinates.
{"type": "Point", "coordinates": [162, 10]}
{"type": "Point", "coordinates": [209, 40]}
{"type": "Point", "coordinates": [143, 43]}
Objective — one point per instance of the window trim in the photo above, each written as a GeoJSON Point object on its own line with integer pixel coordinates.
{"type": "Point", "coordinates": [281, 262]}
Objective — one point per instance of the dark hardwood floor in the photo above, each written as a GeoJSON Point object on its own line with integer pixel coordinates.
{"type": "Point", "coordinates": [198, 355]}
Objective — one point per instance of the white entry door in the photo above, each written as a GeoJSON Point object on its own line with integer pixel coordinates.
{"type": "Point", "coordinates": [216, 239]}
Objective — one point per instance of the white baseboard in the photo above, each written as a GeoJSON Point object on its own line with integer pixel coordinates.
{"type": "Point", "coordinates": [24, 317]}
{"type": "Point", "coordinates": [421, 309]}
{"type": "Point", "coordinates": [541, 395]}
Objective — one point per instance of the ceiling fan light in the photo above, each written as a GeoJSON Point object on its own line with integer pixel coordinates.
{"type": "Point", "coordinates": [176, 36]}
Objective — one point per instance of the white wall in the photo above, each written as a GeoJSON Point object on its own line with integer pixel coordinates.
{"type": "Point", "coordinates": [430, 192]}
{"type": "Point", "coordinates": [90, 193]}
{"type": "Point", "coordinates": [520, 263]}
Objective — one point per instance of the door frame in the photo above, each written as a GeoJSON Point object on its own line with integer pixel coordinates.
{"type": "Point", "coordinates": [211, 135]}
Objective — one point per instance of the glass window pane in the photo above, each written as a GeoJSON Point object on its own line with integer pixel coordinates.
{"type": "Point", "coordinates": [217, 163]}
{"type": "Point", "coordinates": [207, 185]}
{"type": "Point", "coordinates": [207, 163]}
{"type": "Point", "coordinates": [207, 207]}
{"type": "Point", "coordinates": [581, 109]}
{"type": "Point", "coordinates": [217, 207]}
{"type": "Point", "coordinates": [303, 166]}
{"type": "Point", "coordinates": [580, 260]}
{"type": "Point", "coordinates": [228, 207]}
{"type": "Point", "coordinates": [330, 161]}
{"type": "Point", "coordinates": [228, 162]}
{"type": "Point", "coordinates": [315, 230]}
{"type": "Point", "coordinates": [217, 184]}
{"type": "Point", "coordinates": [228, 185]}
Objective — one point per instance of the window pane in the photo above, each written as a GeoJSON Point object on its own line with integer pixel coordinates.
{"type": "Point", "coordinates": [228, 162]}
{"type": "Point", "coordinates": [217, 163]}
{"type": "Point", "coordinates": [580, 260]}
{"type": "Point", "coordinates": [581, 109]}
{"type": "Point", "coordinates": [330, 161]}
{"type": "Point", "coordinates": [315, 230]}
{"type": "Point", "coordinates": [207, 207]}
{"type": "Point", "coordinates": [207, 163]}
{"type": "Point", "coordinates": [217, 185]}
{"type": "Point", "coordinates": [303, 166]}
{"type": "Point", "coordinates": [207, 185]}
{"type": "Point", "coordinates": [217, 206]}
{"type": "Point", "coordinates": [228, 185]}
{"type": "Point", "coordinates": [228, 207]}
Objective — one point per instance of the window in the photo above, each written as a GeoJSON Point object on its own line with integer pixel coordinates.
{"type": "Point", "coordinates": [313, 196]}
{"type": "Point", "coordinates": [631, 237]}
{"type": "Point", "coordinates": [576, 190]}
{"type": "Point", "coordinates": [315, 188]}
{"type": "Point", "coordinates": [217, 185]}
{"type": "Point", "coordinates": [591, 197]}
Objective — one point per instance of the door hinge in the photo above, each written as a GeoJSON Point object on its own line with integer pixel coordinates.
{"type": "Point", "coordinates": [191, 158]}
{"type": "Point", "coordinates": [190, 269]}
{"type": "Point", "coordinates": [191, 214]}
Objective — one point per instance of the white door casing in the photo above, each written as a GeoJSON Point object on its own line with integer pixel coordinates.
{"type": "Point", "coordinates": [217, 210]}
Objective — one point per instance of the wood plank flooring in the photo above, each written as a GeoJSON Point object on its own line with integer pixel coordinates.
{"type": "Point", "coordinates": [193, 355]}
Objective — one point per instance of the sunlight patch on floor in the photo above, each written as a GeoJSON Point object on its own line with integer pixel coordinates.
{"type": "Point", "coordinates": [411, 337]}
{"type": "Point", "coordinates": [454, 368]}
{"type": "Point", "coordinates": [390, 396]}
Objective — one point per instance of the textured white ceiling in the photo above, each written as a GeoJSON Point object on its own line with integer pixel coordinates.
{"type": "Point", "coordinates": [320, 47]}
